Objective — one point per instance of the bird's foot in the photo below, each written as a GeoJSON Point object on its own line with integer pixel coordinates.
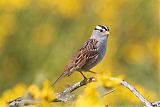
{"type": "Point", "coordinates": [85, 80]}
{"type": "Point", "coordinates": [88, 80]}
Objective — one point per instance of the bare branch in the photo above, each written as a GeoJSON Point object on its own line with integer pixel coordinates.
{"type": "Point", "coordinates": [156, 104]}
{"type": "Point", "coordinates": [20, 102]}
{"type": "Point", "coordinates": [64, 96]}
{"type": "Point", "coordinates": [135, 92]}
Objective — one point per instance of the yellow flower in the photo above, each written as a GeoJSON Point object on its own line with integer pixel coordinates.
{"type": "Point", "coordinates": [90, 97]}
{"type": "Point", "coordinates": [47, 92]}
{"type": "Point", "coordinates": [12, 94]}
{"type": "Point", "coordinates": [34, 91]}
{"type": "Point", "coordinates": [108, 80]}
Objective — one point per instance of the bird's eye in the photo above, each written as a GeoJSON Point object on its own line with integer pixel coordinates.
{"type": "Point", "coordinates": [101, 30]}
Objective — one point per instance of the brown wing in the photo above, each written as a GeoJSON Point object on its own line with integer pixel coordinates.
{"type": "Point", "coordinates": [88, 51]}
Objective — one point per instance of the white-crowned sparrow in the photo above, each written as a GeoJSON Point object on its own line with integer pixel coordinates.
{"type": "Point", "coordinates": [89, 55]}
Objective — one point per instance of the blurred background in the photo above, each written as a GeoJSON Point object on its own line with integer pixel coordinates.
{"type": "Point", "coordinates": [37, 37]}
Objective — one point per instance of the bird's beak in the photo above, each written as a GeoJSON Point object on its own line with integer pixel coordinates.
{"type": "Point", "coordinates": [107, 33]}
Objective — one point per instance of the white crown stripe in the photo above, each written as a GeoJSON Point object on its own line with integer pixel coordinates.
{"type": "Point", "coordinates": [98, 27]}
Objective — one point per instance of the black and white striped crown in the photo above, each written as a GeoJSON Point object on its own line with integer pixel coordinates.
{"type": "Point", "coordinates": [101, 28]}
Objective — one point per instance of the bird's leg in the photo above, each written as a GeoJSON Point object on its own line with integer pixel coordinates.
{"type": "Point", "coordinates": [85, 78]}
{"type": "Point", "coordinates": [92, 72]}
{"type": "Point", "coordinates": [83, 75]}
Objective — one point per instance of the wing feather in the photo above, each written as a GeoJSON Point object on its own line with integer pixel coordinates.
{"type": "Point", "coordinates": [88, 51]}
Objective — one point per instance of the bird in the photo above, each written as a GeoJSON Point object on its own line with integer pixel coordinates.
{"type": "Point", "coordinates": [89, 55]}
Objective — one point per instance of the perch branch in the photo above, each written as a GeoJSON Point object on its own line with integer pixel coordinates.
{"type": "Point", "coordinates": [79, 84]}
{"type": "Point", "coordinates": [64, 96]}
{"type": "Point", "coordinates": [67, 96]}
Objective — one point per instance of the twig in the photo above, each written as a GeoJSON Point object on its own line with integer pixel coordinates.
{"type": "Point", "coordinates": [156, 104]}
{"type": "Point", "coordinates": [110, 91]}
{"type": "Point", "coordinates": [64, 96]}
{"type": "Point", "coordinates": [135, 92]}
{"type": "Point", "coordinates": [21, 101]}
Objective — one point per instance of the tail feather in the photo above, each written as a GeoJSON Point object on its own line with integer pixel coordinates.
{"type": "Point", "coordinates": [59, 78]}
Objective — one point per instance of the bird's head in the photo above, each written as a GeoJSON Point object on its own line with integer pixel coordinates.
{"type": "Point", "coordinates": [100, 31]}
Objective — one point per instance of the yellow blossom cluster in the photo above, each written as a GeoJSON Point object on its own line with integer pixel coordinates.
{"type": "Point", "coordinates": [90, 96]}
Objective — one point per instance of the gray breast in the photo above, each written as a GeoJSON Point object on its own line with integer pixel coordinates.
{"type": "Point", "coordinates": [102, 52]}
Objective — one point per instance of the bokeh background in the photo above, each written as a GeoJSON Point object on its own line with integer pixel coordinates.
{"type": "Point", "coordinates": [37, 37]}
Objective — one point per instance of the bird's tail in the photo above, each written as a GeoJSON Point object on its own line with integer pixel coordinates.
{"type": "Point", "coordinates": [60, 77]}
